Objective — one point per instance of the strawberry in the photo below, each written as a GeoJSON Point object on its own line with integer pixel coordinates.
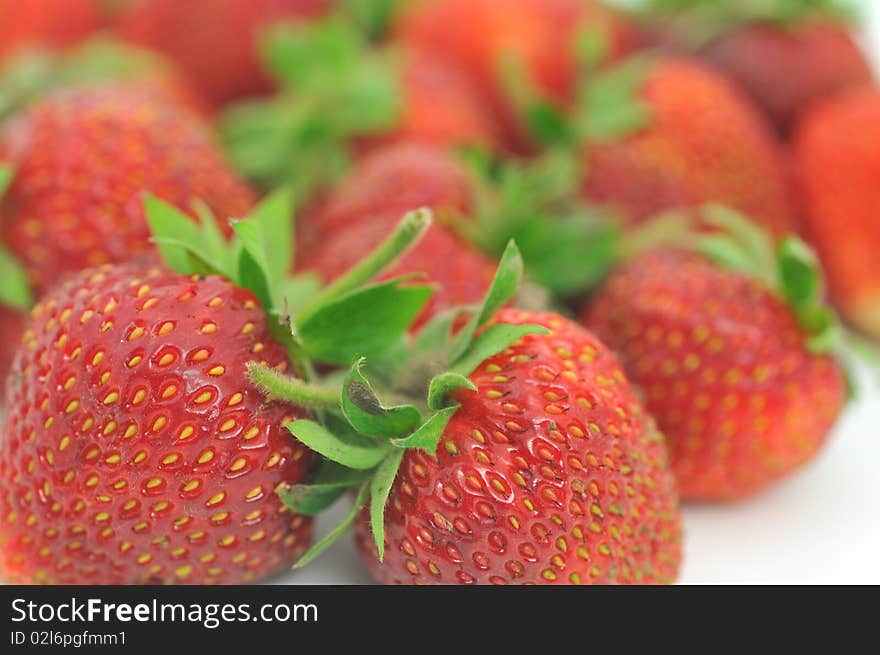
{"type": "Point", "coordinates": [151, 462]}
{"type": "Point", "coordinates": [836, 149]}
{"type": "Point", "coordinates": [81, 159]}
{"type": "Point", "coordinates": [737, 374]}
{"type": "Point", "coordinates": [536, 39]}
{"type": "Point", "coordinates": [693, 139]}
{"type": "Point", "coordinates": [785, 55]}
{"type": "Point", "coordinates": [397, 178]}
{"type": "Point", "coordinates": [213, 41]}
{"type": "Point", "coordinates": [11, 329]}
{"type": "Point", "coordinates": [53, 23]}
{"type": "Point", "coordinates": [134, 449]}
{"type": "Point", "coordinates": [460, 273]}
{"type": "Point", "coordinates": [530, 461]}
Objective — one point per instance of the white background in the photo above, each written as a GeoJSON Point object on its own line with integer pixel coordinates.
{"type": "Point", "coordinates": [820, 526]}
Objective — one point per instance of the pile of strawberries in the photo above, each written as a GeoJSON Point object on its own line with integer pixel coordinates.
{"type": "Point", "coordinates": [517, 276]}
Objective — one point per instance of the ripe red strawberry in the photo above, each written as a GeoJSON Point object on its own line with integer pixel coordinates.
{"type": "Point", "coordinates": [398, 178]}
{"type": "Point", "coordinates": [134, 451]}
{"type": "Point", "coordinates": [54, 23]}
{"type": "Point", "coordinates": [837, 150]}
{"type": "Point", "coordinates": [537, 37]}
{"type": "Point", "coordinates": [460, 273]}
{"type": "Point", "coordinates": [439, 105]}
{"type": "Point", "coordinates": [787, 69]}
{"type": "Point", "coordinates": [701, 141]}
{"type": "Point", "coordinates": [81, 160]}
{"type": "Point", "coordinates": [727, 368]}
{"type": "Point", "coordinates": [213, 41]}
{"type": "Point", "coordinates": [550, 472]}
{"type": "Point", "coordinates": [11, 328]}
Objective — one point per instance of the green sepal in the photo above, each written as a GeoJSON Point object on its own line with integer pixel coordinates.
{"type": "Point", "coordinates": [373, 17]}
{"type": "Point", "coordinates": [328, 485]}
{"type": "Point", "coordinates": [491, 341]}
{"type": "Point", "coordinates": [339, 531]}
{"type": "Point", "coordinates": [364, 322]}
{"type": "Point", "coordinates": [610, 106]}
{"type": "Point", "coordinates": [428, 434]}
{"type": "Point", "coordinates": [348, 449]}
{"type": "Point", "coordinates": [445, 383]}
{"type": "Point", "coordinates": [180, 240]}
{"type": "Point", "coordinates": [502, 290]}
{"type": "Point", "coordinates": [368, 415]}
{"type": "Point", "coordinates": [15, 290]}
{"type": "Point", "coordinates": [380, 487]}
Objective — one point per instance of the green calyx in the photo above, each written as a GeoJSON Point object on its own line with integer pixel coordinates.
{"type": "Point", "coordinates": [790, 267]}
{"type": "Point", "coordinates": [15, 291]}
{"type": "Point", "coordinates": [568, 245]}
{"type": "Point", "coordinates": [351, 317]}
{"type": "Point", "coordinates": [697, 22]}
{"type": "Point", "coordinates": [334, 88]}
{"type": "Point", "coordinates": [399, 400]}
{"type": "Point", "coordinates": [34, 72]}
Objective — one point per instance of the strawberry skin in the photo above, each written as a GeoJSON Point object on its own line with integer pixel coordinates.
{"type": "Point", "coordinates": [133, 449]}
{"type": "Point", "coordinates": [82, 159]}
{"type": "Point", "coordinates": [398, 177]}
{"type": "Point", "coordinates": [11, 328]}
{"type": "Point", "coordinates": [704, 142]}
{"type": "Point", "coordinates": [724, 369]}
{"type": "Point", "coordinates": [786, 70]}
{"type": "Point", "coordinates": [837, 149]}
{"type": "Point", "coordinates": [538, 35]}
{"type": "Point", "coordinates": [213, 41]}
{"type": "Point", "coordinates": [551, 472]}
{"type": "Point", "coordinates": [55, 23]}
{"type": "Point", "coordinates": [461, 273]}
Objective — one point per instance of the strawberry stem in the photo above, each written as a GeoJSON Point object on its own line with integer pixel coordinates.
{"type": "Point", "coordinates": [276, 386]}
{"type": "Point", "coordinates": [407, 233]}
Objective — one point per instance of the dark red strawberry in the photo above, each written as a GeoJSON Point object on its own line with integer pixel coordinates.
{"type": "Point", "coordinates": [698, 140]}
{"type": "Point", "coordinates": [739, 380]}
{"type": "Point", "coordinates": [537, 39]}
{"type": "Point", "coordinates": [215, 42]}
{"type": "Point", "coordinates": [82, 159]}
{"type": "Point", "coordinates": [53, 23]}
{"type": "Point", "coordinates": [134, 451]}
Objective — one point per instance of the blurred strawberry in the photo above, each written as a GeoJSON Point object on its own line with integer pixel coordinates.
{"type": "Point", "coordinates": [81, 159]}
{"type": "Point", "coordinates": [213, 41]}
{"type": "Point", "coordinates": [785, 55]}
{"type": "Point", "coordinates": [531, 43]}
{"type": "Point", "coordinates": [49, 23]}
{"type": "Point", "coordinates": [668, 133]}
{"type": "Point", "coordinates": [837, 150]}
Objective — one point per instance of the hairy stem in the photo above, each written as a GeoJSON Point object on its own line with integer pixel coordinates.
{"type": "Point", "coordinates": [276, 386]}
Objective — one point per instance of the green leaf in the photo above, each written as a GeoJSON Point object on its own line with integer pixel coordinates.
{"type": "Point", "coordinates": [444, 384]}
{"type": "Point", "coordinates": [215, 243]}
{"type": "Point", "coordinates": [428, 435]}
{"type": "Point", "coordinates": [434, 336]}
{"type": "Point", "coordinates": [252, 270]}
{"type": "Point", "coordinates": [363, 323]}
{"type": "Point", "coordinates": [6, 176]}
{"type": "Point", "coordinates": [502, 290]}
{"type": "Point", "coordinates": [380, 487]}
{"type": "Point", "coordinates": [300, 290]}
{"type": "Point", "coordinates": [179, 240]}
{"type": "Point", "coordinates": [548, 123]}
{"type": "Point", "coordinates": [337, 532]}
{"type": "Point", "coordinates": [366, 413]}
{"type": "Point", "coordinates": [799, 275]}
{"type": "Point", "coordinates": [490, 342]}
{"type": "Point", "coordinates": [611, 106]}
{"type": "Point", "coordinates": [349, 450]}
{"type": "Point", "coordinates": [329, 484]}
{"type": "Point", "coordinates": [14, 291]}
{"type": "Point", "coordinates": [274, 216]}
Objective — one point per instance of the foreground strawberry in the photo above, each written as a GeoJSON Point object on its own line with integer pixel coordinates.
{"type": "Point", "coordinates": [693, 138]}
{"type": "Point", "coordinates": [134, 449]}
{"type": "Point", "coordinates": [785, 55]}
{"type": "Point", "coordinates": [213, 41]}
{"type": "Point", "coordinates": [53, 23]}
{"type": "Point", "coordinates": [81, 159]}
{"type": "Point", "coordinates": [535, 40]}
{"type": "Point", "coordinates": [734, 364]}
{"type": "Point", "coordinates": [530, 461]}
{"type": "Point", "coordinates": [837, 150]}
